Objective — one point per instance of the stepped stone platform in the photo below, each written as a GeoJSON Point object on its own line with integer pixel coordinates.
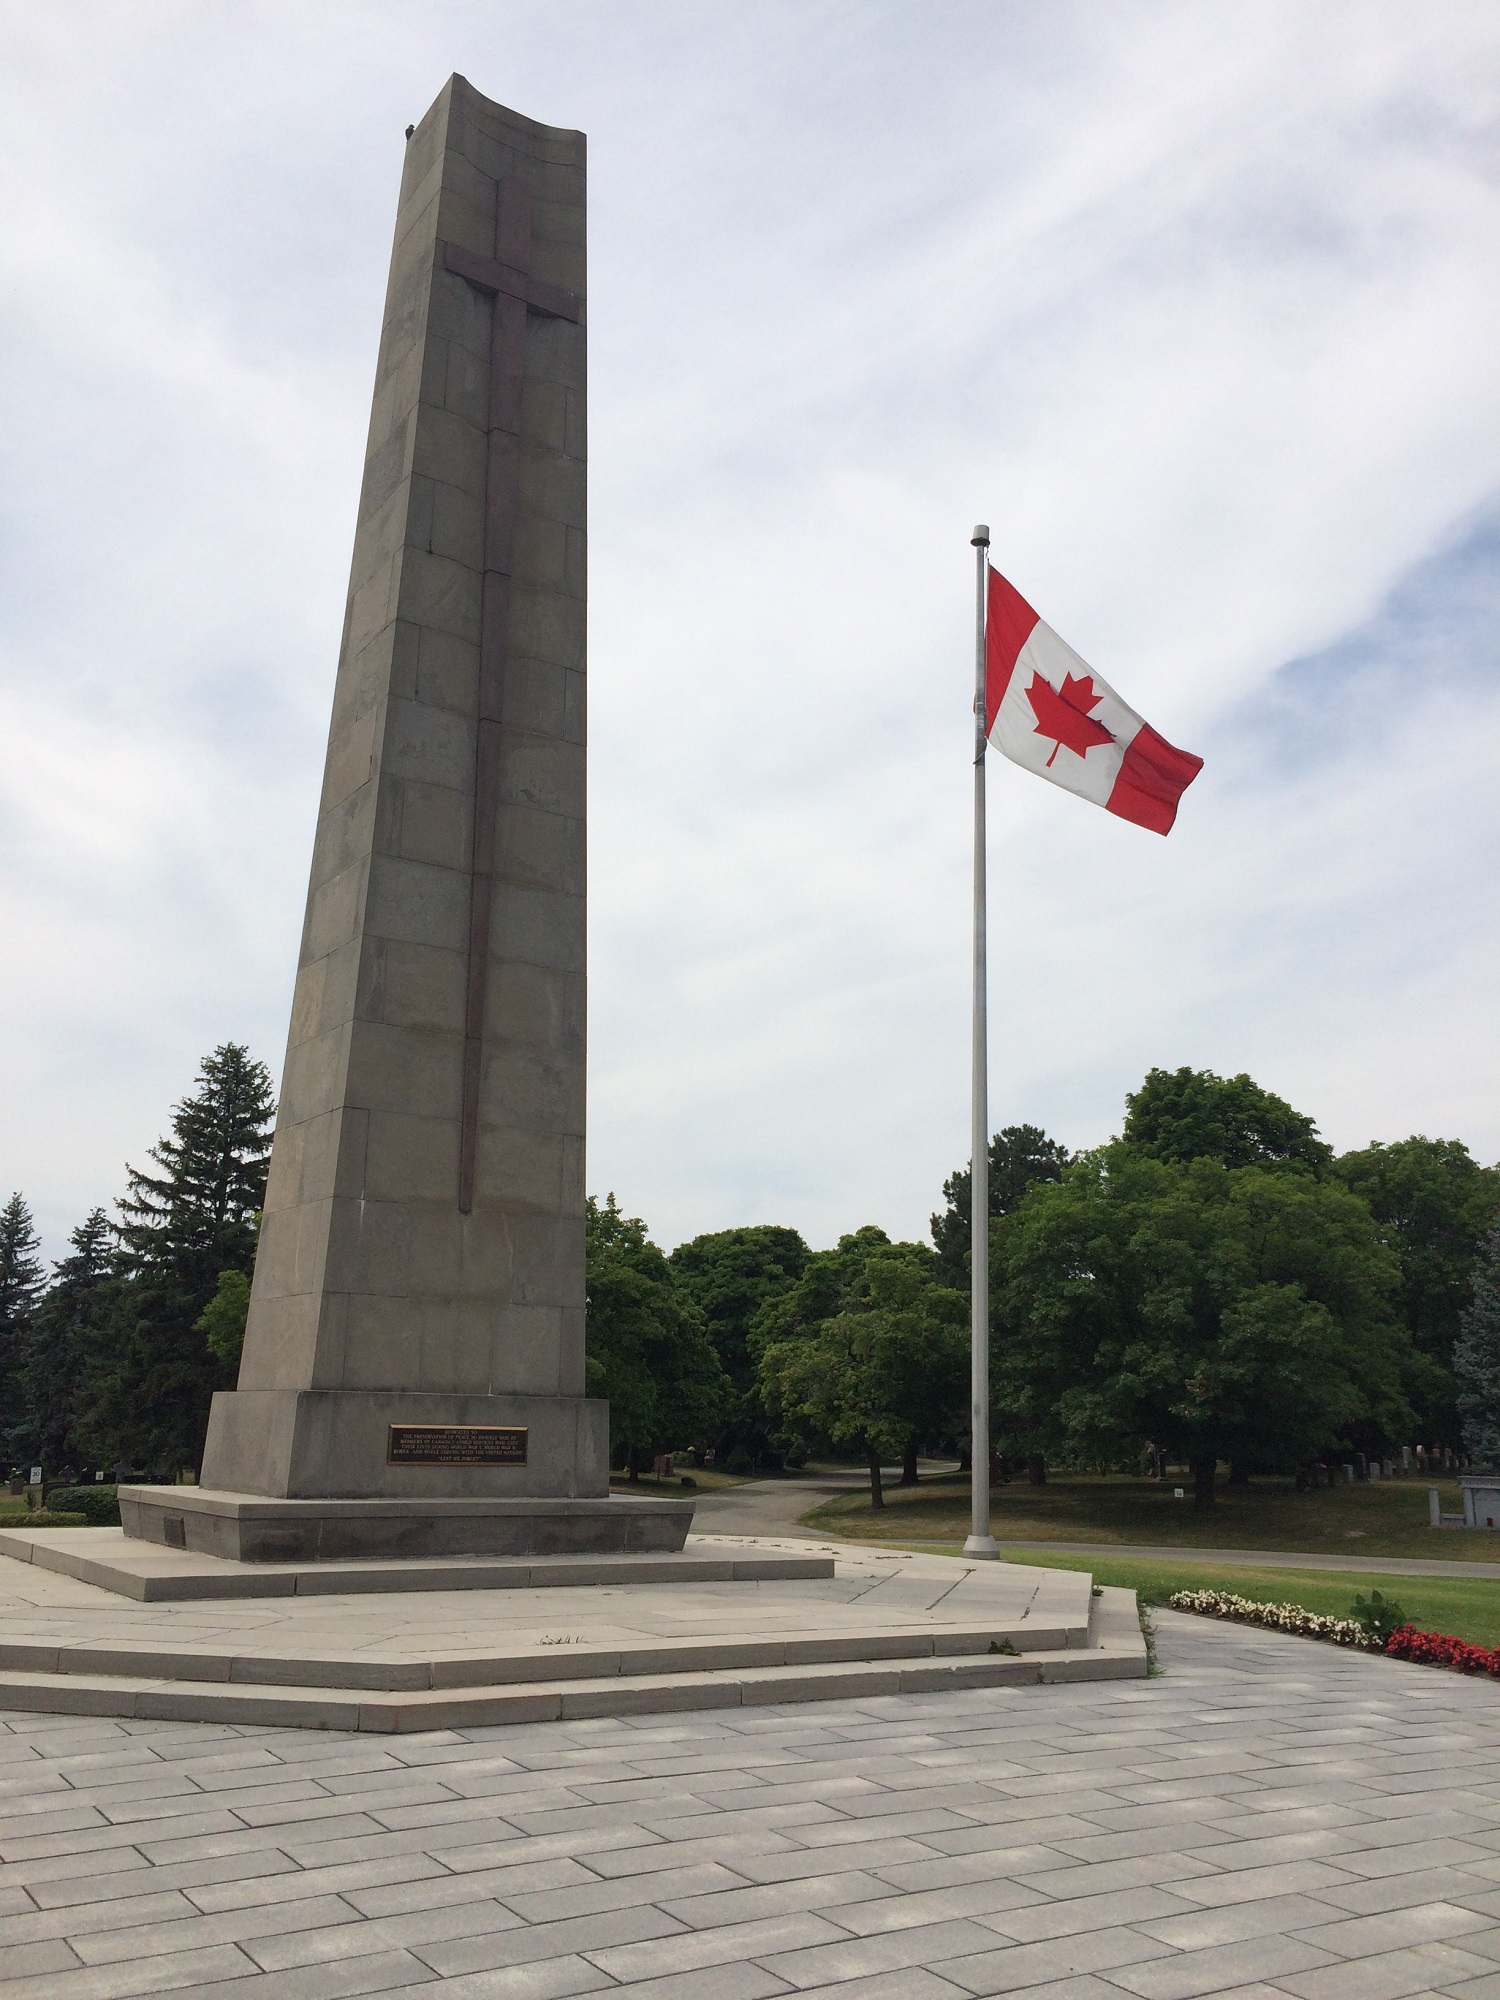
{"type": "Point", "coordinates": [733, 1622]}
{"type": "Point", "coordinates": [157, 1573]}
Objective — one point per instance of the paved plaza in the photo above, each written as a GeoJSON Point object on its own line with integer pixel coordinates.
{"type": "Point", "coordinates": [1270, 1816]}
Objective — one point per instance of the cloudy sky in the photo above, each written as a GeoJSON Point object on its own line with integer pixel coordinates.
{"type": "Point", "coordinates": [1196, 304]}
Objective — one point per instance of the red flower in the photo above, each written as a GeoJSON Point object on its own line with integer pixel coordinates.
{"type": "Point", "coordinates": [1440, 1649]}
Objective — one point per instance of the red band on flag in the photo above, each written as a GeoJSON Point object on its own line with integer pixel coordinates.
{"type": "Point", "coordinates": [1152, 779]}
{"type": "Point", "coordinates": [1009, 623]}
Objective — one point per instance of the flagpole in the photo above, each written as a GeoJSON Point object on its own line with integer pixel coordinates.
{"type": "Point", "coordinates": [980, 1542]}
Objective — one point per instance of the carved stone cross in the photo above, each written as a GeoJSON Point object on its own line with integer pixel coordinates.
{"type": "Point", "coordinates": [506, 277]}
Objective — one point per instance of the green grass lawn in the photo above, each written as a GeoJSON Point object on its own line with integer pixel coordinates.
{"type": "Point", "coordinates": [1379, 1518]}
{"type": "Point", "coordinates": [1467, 1607]}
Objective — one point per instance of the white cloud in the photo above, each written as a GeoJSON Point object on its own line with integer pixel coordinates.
{"type": "Point", "coordinates": [1195, 303]}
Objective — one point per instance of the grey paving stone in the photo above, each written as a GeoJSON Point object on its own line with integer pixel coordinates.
{"type": "Point", "coordinates": [1391, 1975]}
{"type": "Point", "coordinates": [1010, 1968]}
{"type": "Point", "coordinates": [714, 1982]}
{"type": "Point", "coordinates": [141, 1879]}
{"type": "Point", "coordinates": [1139, 1871]}
{"type": "Point", "coordinates": [259, 1891]}
{"type": "Point", "coordinates": [1392, 1930]}
{"type": "Point", "coordinates": [78, 1920]}
{"type": "Point", "coordinates": [770, 1899]}
{"type": "Point", "coordinates": [908, 1984]}
{"type": "Point", "coordinates": [687, 1951]}
{"type": "Point", "coordinates": [1230, 1922]}
{"type": "Point", "coordinates": [122, 1982]}
{"type": "Point", "coordinates": [22, 1961]}
{"type": "Point", "coordinates": [584, 1899]}
{"type": "Point", "coordinates": [553, 1980]}
{"type": "Point", "coordinates": [1411, 1857]}
{"type": "Point", "coordinates": [1065, 1918]}
{"type": "Point", "coordinates": [285, 1948]}
{"type": "Point", "coordinates": [377, 1972]}
{"type": "Point", "coordinates": [1250, 1884]}
{"type": "Point", "coordinates": [1485, 1987]}
{"type": "Point", "coordinates": [533, 1944]}
{"type": "Point", "coordinates": [193, 1933]}
{"type": "Point", "coordinates": [884, 1951]}
{"type": "Point", "coordinates": [929, 1906]}
{"type": "Point", "coordinates": [1217, 1966]}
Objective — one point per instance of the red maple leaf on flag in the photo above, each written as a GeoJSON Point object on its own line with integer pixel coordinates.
{"type": "Point", "coordinates": [1063, 713]}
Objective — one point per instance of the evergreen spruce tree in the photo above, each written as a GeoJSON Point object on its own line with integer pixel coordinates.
{"type": "Point", "coordinates": [21, 1276]}
{"type": "Point", "coordinates": [1476, 1357]}
{"type": "Point", "coordinates": [180, 1228]}
{"type": "Point", "coordinates": [63, 1339]}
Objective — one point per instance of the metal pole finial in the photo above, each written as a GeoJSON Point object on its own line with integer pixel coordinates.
{"type": "Point", "coordinates": [980, 539]}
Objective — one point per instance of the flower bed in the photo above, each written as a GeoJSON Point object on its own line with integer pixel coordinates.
{"type": "Point", "coordinates": [1437, 1649]}
{"type": "Point", "coordinates": [1280, 1617]}
{"type": "Point", "coordinates": [1426, 1649]}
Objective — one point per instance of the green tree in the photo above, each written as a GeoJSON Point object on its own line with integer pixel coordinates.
{"type": "Point", "coordinates": [1239, 1313]}
{"type": "Point", "coordinates": [870, 1350]}
{"type": "Point", "coordinates": [63, 1340]}
{"type": "Point", "coordinates": [21, 1278]}
{"type": "Point", "coordinates": [1191, 1114]}
{"type": "Point", "coordinates": [731, 1275]}
{"type": "Point", "coordinates": [1434, 1204]}
{"type": "Point", "coordinates": [1020, 1155]}
{"type": "Point", "coordinates": [1476, 1357]}
{"type": "Point", "coordinates": [179, 1229]}
{"type": "Point", "coordinates": [648, 1347]}
{"type": "Point", "coordinates": [222, 1320]}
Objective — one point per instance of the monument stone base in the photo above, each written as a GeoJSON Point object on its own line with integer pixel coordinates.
{"type": "Point", "coordinates": [345, 1475]}
{"type": "Point", "coordinates": [337, 1444]}
{"type": "Point", "coordinates": [239, 1527]}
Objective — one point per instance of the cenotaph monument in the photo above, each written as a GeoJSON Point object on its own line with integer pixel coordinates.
{"type": "Point", "coordinates": [413, 1372]}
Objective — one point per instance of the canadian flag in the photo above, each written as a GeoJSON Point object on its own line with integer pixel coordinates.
{"type": "Point", "coordinates": [1049, 711]}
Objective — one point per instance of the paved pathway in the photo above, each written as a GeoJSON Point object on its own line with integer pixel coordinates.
{"type": "Point", "coordinates": [771, 1506]}
{"type": "Point", "coordinates": [1271, 1817]}
{"type": "Point", "coordinates": [765, 1507]}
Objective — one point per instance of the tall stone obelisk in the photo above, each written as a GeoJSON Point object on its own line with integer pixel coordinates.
{"type": "Point", "coordinates": [416, 1333]}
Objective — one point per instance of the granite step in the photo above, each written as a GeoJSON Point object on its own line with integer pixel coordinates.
{"type": "Point", "coordinates": [563, 1659]}
{"type": "Point", "coordinates": [1111, 1649]}
{"type": "Point", "coordinates": [151, 1574]}
{"type": "Point", "coordinates": [1115, 1651]}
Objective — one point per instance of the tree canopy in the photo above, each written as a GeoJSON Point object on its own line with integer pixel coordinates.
{"type": "Point", "coordinates": [1020, 1156]}
{"type": "Point", "coordinates": [1476, 1357]}
{"type": "Point", "coordinates": [648, 1345]}
{"type": "Point", "coordinates": [66, 1342]}
{"type": "Point", "coordinates": [1433, 1204]}
{"type": "Point", "coordinates": [731, 1275]}
{"type": "Point", "coordinates": [1191, 1114]}
{"type": "Point", "coordinates": [21, 1277]}
{"type": "Point", "coordinates": [1235, 1313]}
{"type": "Point", "coordinates": [179, 1229]}
{"type": "Point", "coordinates": [869, 1350]}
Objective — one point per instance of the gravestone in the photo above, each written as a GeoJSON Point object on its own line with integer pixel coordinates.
{"type": "Point", "coordinates": [413, 1371]}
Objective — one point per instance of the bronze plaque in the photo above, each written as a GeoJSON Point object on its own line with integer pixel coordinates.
{"type": "Point", "coordinates": [455, 1444]}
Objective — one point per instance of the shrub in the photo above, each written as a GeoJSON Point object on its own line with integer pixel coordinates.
{"type": "Point", "coordinates": [1379, 1616]}
{"type": "Point", "coordinates": [739, 1461]}
{"type": "Point", "coordinates": [49, 1517]}
{"type": "Point", "coordinates": [98, 1505]}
